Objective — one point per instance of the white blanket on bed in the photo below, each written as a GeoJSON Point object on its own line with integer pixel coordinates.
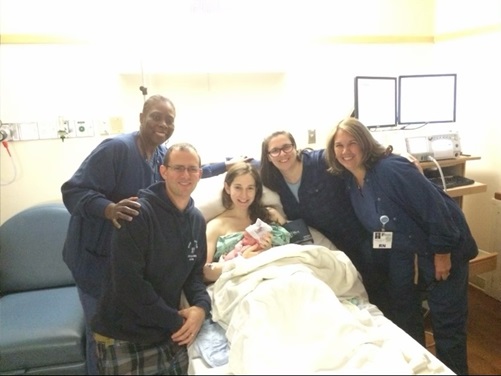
{"type": "Point", "coordinates": [302, 309]}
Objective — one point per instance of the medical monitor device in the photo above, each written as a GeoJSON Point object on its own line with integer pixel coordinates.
{"type": "Point", "coordinates": [439, 146]}
{"type": "Point", "coordinates": [376, 101]}
{"type": "Point", "coordinates": [427, 98]}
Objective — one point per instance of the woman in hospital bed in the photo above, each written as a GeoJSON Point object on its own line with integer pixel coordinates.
{"type": "Point", "coordinates": [294, 309]}
{"type": "Point", "coordinates": [241, 197]}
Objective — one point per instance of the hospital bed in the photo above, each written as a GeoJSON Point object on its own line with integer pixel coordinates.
{"type": "Point", "coordinates": [297, 309]}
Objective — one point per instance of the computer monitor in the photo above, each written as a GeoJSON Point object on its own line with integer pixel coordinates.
{"type": "Point", "coordinates": [427, 98]}
{"type": "Point", "coordinates": [376, 101]}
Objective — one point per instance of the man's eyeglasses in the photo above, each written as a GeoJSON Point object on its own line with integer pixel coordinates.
{"type": "Point", "coordinates": [275, 152]}
{"type": "Point", "coordinates": [180, 169]}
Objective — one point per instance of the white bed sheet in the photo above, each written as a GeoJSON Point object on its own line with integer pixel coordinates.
{"type": "Point", "coordinates": [303, 310]}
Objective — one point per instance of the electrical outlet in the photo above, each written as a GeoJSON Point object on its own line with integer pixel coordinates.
{"type": "Point", "coordinates": [312, 136]}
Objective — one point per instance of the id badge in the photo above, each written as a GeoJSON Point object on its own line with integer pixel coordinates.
{"type": "Point", "coordinates": [382, 239]}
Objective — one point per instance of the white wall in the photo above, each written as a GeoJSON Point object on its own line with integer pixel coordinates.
{"type": "Point", "coordinates": [222, 114]}
{"type": "Point", "coordinates": [295, 72]}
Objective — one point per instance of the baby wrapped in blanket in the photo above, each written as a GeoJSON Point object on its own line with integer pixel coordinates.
{"type": "Point", "coordinates": [253, 235]}
{"type": "Point", "coordinates": [231, 245]}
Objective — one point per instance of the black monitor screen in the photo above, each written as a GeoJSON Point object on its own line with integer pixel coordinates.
{"type": "Point", "coordinates": [376, 101]}
{"type": "Point", "coordinates": [429, 98]}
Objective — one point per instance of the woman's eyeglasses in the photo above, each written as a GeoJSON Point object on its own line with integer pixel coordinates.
{"type": "Point", "coordinates": [180, 169]}
{"type": "Point", "coordinates": [275, 152]}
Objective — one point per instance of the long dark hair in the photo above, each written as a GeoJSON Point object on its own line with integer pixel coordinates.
{"type": "Point", "coordinates": [256, 209]}
{"type": "Point", "coordinates": [270, 174]}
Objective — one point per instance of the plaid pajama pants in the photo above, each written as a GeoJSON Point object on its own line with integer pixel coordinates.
{"type": "Point", "coordinates": [117, 357]}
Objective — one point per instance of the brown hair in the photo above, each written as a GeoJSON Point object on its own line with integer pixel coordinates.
{"type": "Point", "coordinates": [372, 150]}
{"type": "Point", "coordinates": [182, 146]}
{"type": "Point", "coordinates": [256, 209]}
{"type": "Point", "coordinates": [270, 174]}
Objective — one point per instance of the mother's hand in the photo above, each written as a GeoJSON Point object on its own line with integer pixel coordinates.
{"type": "Point", "coordinates": [264, 244]}
{"type": "Point", "coordinates": [266, 241]}
{"type": "Point", "coordinates": [252, 250]}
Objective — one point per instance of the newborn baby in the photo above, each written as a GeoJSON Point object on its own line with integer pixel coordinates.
{"type": "Point", "coordinates": [254, 234]}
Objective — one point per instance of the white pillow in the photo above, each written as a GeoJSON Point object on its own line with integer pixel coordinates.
{"type": "Point", "coordinates": [321, 239]}
{"type": "Point", "coordinates": [207, 197]}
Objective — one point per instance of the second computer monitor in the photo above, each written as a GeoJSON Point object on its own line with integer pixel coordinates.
{"type": "Point", "coordinates": [427, 98]}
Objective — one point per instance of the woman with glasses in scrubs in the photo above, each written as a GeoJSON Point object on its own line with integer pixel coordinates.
{"type": "Point", "coordinates": [308, 191]}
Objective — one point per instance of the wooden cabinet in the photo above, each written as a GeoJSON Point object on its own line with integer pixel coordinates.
{"type": "Point", "coordinates": [485, 261]}
{"type": "Point", "coordinates": [456, 166]}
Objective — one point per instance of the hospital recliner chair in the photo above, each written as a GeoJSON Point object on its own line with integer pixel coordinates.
{"type": "Point", "coordinates": [42, 326]}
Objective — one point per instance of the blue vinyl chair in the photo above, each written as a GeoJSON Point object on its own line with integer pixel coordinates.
{"type": "Point", "coordinates": [42, 326]}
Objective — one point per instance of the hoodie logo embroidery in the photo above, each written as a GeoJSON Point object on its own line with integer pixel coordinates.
{"type": "Point", "coordinates": [192, 250]}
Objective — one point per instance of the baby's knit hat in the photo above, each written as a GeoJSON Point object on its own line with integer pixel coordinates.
{"type": "Point", "coordinates": [257, 229]}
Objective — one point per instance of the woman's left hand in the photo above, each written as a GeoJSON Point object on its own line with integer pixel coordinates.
{"type": "Point", "coordinates": [251, 251]}
{"type": "Point", "coordinates": [275, 216]}
{"type": "Point", "coordinates": [442, 266]}
{"type": "Point", "coordinates": [266, 241]}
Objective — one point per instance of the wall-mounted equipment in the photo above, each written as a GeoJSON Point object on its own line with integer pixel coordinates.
{"type": "Point", "coordinates": [441, 146]}
{"type": "Point", "coordinates": [84, 128]}
{"type": "Point", "coordinates": [8, 132]}
{"type": "Point", "coordinates": [45, 130]}
{"type": "Point", "coordinates": [28, 131]}
{"type": "Point", "coordinates": [420, 99]}
{"type": "Point", "coordinates": [64, 129]}
{"type": "Point", "coordinates": [376, 101]}
{"type": "Point", "coordinates": [5, 133]}
{"type": "Point", "coordinates": [427, 98]}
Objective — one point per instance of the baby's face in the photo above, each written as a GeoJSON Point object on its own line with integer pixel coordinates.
{"type": "Point", "coordinates": [248, 239]}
